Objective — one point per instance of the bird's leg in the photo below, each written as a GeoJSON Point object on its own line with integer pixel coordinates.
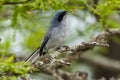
{"type": "Point", "coordinates": [66, 47]}
{"type": "Point", "coordinates": [44, 53]}
{"type": "Point", "coordinates": [63, 48]}
{"type": "Point", "coordinates": [58, 49]}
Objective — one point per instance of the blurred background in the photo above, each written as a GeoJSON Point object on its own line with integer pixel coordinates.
{"type": "Point", "coordinates": [23, 24]}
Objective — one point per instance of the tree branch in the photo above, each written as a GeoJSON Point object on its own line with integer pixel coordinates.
{"type": "Point", "coordinates": [52, 64]}
{"type": "Point", "coordinates": [76, 51]}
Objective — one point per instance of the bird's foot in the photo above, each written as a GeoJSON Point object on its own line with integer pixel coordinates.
{"type": "Point", "coordinates": [66, 47]}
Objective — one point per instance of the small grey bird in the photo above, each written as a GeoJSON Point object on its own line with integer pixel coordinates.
{"type": "Point", "coordinates": [54, 38]}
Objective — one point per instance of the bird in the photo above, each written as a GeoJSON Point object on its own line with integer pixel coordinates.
{"type": "Point", "coordinates": [54, 38]}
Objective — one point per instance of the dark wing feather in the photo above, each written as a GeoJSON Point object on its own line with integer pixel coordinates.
{"type": "Point", "coordinates": [43, 45]}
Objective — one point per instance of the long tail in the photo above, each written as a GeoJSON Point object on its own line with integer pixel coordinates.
{"type": "Point", "coordinates": [32, 58]}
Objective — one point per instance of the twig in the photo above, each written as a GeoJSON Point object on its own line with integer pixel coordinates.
{"type": "Point", "coordinates": [64, 75]}
{"type": "Point", "coordinates": [15, 3]}
{"type": "Point", "coordinates": [0, 39]}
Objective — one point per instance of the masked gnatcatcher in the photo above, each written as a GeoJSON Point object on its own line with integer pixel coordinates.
{"type": "Point", "coordinates": [54, 38]}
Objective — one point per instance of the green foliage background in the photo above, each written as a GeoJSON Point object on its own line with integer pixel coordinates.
{"type": "Point", "coordinates": [29, 17]}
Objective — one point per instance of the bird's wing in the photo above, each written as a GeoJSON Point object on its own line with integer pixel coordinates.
{"type": "Point", "coordinates": [47, 37]}
{"type": "Point", "coordinates": [38, 52]}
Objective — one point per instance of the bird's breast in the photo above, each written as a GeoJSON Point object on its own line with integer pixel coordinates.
{"type": "Point", "coordinates": [58, 38]}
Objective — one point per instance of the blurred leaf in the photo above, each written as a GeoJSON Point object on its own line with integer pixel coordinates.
{"type": "Point", "coordinates": [10, 59]}
{"type": "Point", "coordinates": [11, 68]}
{"type": "Point", "coordinates": [5, 46]}
{"type": "Point", "coordinates": [15, 15]}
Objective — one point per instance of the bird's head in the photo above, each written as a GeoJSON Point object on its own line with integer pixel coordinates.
{"type": "Point", "coordinates": [59, 16]}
